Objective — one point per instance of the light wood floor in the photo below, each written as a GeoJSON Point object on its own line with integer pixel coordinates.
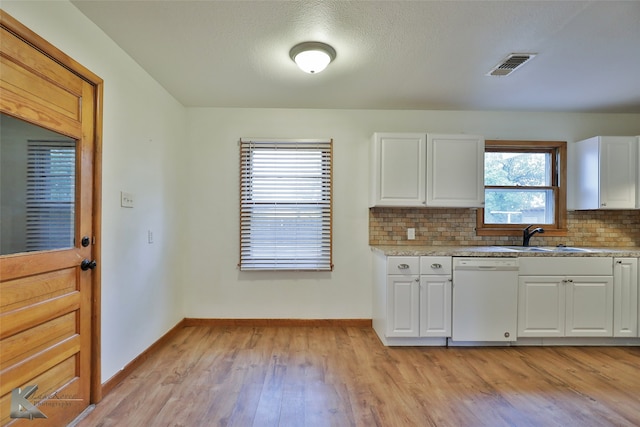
{"type": "Point", "coordinates": [334, 376]}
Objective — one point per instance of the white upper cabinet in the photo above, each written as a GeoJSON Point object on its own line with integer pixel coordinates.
{"type": "Point", "coordinates": [455, 170]}
{"type": "Point", "coordinates": [418, 170]}
{"type": "Point", "coordinates": [607, 169]}
{"type": "Point", "coordinates": [638, 173]}
{"type": "Point", "coordinates": [398, 169]}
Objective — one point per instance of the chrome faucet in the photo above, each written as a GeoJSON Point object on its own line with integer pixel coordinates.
{"type": "Point", "coordinates": [526, 234]}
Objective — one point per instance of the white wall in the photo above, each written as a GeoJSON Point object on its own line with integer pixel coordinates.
{"type": "Point", "coordinates": [143, 139]}
{"type": "Point", "coordinates": [213, 286]}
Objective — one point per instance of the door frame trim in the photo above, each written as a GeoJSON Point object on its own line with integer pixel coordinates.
{"type": "Point", "coordinates": [28, 36]}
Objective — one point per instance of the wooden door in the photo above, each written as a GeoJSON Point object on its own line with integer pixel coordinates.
{"type": "Point", "coordinates": [45, 296]}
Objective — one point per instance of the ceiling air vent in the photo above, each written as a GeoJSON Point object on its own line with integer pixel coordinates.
{"type": "Point", "coordinates": [510, 64]}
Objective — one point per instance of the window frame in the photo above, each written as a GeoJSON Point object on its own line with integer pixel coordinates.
{"type": "Point", "coordinates": [558, 150]}
{"type": "Point", "coordinates": [274, 212]}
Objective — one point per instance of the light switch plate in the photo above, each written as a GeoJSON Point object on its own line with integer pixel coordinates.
{"type": "Point", "coordinates": [126, 199]}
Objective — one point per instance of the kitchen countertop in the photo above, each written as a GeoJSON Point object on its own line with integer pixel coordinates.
{"type": "Point", "coordinates": [499, 251]}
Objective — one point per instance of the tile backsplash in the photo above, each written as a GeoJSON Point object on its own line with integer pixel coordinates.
{"type": "Point", "coordinates": [456, 227]}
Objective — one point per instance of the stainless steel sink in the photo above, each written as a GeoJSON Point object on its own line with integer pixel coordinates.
{"type": "Point", "coordinates": [537, 249]}
{"type": "Point", "coordinates": [528, 248]}
{"type": "Point", "coordinates": [570, 249]}
{"type": "Point", "coordinates": [546, 249]}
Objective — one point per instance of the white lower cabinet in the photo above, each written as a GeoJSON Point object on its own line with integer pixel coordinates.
{"type": "Point", "coordinates": [558, 297]}
{"type": "Point", "coordinates": [419, 305]}
{"type": "Point", "coordinates": [625, 297]}
{"type": "Point", "coordinates": [541, 306]}
{"type": "Point", "coordinates": [565, 306]}
{"type": "Point", "coordinates": [589, 306]}
{"type": "Point", "coordinates": [435, 306]}
{"type": "Point", "coordinates": [403, 306]}
{"type": "Point", "coordinates": [409, 304]}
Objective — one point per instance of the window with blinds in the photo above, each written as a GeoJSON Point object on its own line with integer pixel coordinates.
{"type": "Point", "coordinates": [50, 202]}
{"type": "Point", "coordinates": [286, 205]}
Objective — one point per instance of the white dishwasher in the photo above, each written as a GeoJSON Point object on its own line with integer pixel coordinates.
{"type": "Point", "coordinates": [485, 299]}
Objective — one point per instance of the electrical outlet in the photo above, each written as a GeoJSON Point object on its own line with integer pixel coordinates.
{"type": "Point", "coordinates": [150, 236]}
{"type": "Point", "coordinates": [126, 199]}
{"type": "Point", "coordinates": [411, 234]}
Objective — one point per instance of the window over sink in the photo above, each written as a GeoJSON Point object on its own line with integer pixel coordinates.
{"type": "Point", "coordinates": [524, 183]}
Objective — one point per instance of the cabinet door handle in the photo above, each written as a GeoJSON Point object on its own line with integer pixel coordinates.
{"type": "Point", "coordinates": [436, 265]}
{"type": "Point", "coordinates": [403, 266]}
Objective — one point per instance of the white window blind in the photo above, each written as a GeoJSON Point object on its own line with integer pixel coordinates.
{"type": "Point", "coordinates": [50, 204]}
{"type": "Point", "coordinates": [286, 205]}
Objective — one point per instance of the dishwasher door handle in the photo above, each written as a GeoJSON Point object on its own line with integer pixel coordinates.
{"type": "Point", "coordinates": [485, 268]}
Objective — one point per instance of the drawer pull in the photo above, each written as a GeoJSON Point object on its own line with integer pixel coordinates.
{"type": "Point", "coordinates": [403, 266]}
{"type": "Point", "coordinates": [436, 265]}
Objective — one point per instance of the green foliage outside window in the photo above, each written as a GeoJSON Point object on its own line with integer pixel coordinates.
{"type": "Point", "coordinates": [516, 190]}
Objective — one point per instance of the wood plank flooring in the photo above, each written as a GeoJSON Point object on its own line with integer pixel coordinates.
{"type": "Point", "coordinates": [335, 376]}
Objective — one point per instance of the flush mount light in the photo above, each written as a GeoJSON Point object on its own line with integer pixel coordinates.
{"type": "Point", "coordinates": [312, 57]}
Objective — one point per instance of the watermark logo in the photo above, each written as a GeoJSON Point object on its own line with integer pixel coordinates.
{"type": "Point", "coordinates": [21, 407]}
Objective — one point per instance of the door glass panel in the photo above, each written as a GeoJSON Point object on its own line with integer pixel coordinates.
{"type": "Point", "coordinates": [37, 188]}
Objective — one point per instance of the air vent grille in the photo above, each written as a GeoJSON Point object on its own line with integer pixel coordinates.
{"type": "Point", "coordinates": [510, 64]}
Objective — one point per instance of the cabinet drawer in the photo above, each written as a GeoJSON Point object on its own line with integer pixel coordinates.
{"type": "Point", "coordinates": [405, 265]}
{"type": "Point", "coordinates": [435, 265]}
{"type": "Point", "coordinates": [566, 266]}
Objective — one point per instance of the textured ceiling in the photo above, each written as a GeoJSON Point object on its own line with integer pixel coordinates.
{"type": "Point", "coordinates": [390, 54]}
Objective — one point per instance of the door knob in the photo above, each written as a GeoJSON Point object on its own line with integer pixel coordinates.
{"type": "Point", "coordinates": [88, 265]}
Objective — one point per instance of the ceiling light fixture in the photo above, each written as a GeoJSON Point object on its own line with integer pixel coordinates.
{"type": "Point", "coordinates": [312, 57]}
